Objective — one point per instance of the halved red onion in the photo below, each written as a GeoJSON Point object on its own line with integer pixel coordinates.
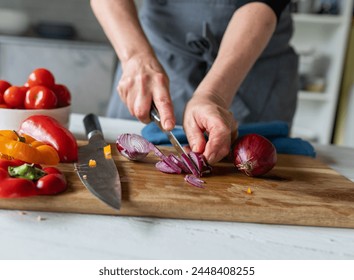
{"type": "Point", "coordinates": [133, 146]}
{"type": "Point", "coordinates": [195, 181]}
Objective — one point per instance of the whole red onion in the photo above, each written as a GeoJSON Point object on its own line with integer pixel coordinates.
{"type": "Point", "coordinates": [254, 155]}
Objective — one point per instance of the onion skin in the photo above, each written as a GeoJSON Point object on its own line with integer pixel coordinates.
{"type": "Point", "coordinates": [254, 155]}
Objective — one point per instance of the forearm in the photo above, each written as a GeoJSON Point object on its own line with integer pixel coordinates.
{"type": "Point", "coordinates": [245, 38]}
{"type": "Point", "coordinates": [120, 23]}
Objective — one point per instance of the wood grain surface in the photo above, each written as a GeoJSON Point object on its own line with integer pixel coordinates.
{"type": "Point", "coordinates": [298, 191]}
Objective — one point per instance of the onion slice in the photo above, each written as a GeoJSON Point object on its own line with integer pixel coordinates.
{"type": "Point", "coordinates": [164, 167]}
{"type": "Point", "coordinates": [195, 181]}
{"type": "Point", "coordinates": [133, 146]}
{"type": "Point", "coordinates": [188, 162]}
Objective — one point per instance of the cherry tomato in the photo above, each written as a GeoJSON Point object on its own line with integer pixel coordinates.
{"type": "Point", "coordinates": [4, 85]}
{"type": "Point", "coordinates": [63, 95]}
{"type": "Point", "coordinates": [40, 97]}
{"type": "Point", "coordinates": [14, 97]}
{"type": "Point", "coordinates": [41, 77]}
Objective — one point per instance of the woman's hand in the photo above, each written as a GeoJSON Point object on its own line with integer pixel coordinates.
{"type": "Point", "coordinates": [143, 81]}
{"type": "Point", "coordinates": [208, 113]}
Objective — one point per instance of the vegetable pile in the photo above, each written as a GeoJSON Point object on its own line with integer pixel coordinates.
{"type": "Point", "coordinates": [40, 140]}
{"type": "Point", "coordinates": [39, 92]}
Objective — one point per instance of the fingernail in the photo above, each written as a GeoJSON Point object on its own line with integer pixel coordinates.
{"type": "Point", "coordinates": [168, 125]}
{"type": "Point", "coordinates": [211, 158]}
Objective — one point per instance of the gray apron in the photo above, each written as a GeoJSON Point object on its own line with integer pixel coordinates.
{"type": "Point", "coordinates": [186, 35]}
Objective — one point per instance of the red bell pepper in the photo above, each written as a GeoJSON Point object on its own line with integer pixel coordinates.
{"type": "Point", "coordinates": [49, 131]}
{"type": "Point", "coordinates": [20, 179]}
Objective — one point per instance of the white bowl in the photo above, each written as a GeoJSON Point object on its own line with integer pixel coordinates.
{"type": "Point", "coordinates": [11, 119]}
{"type": "Point", "coordinates": [13, 22]}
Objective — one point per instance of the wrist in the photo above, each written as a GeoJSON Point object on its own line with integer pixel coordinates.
{"type": "Point", "coordinates": [140, 60]}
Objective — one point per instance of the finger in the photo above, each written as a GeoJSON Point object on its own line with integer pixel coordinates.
{"type": "Point", "coordinates": [163, 102]}
{"type": "Point", "coordinates": [125, 91]}
{"type": "Point", "coordinates": [218, 145]}
{"type": "Point", "coordinates": [194, 135]}
{"type": "Point", "coordinates": [165, 108]}
{"type": "Point", "coordinates": [143, 97]}
{"type": "Point", "coordinates": [142, 106]}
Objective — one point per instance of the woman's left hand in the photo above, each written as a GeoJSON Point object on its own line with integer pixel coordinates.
{"type": "Point", "coordinates": [208, 113]}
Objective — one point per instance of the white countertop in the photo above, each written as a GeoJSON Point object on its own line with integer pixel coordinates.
{"type": "Point", "coordinates": [83, 236]}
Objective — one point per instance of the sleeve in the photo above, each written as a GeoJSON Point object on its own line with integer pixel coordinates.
{"type": "Point", "coordinates": [276, 5]}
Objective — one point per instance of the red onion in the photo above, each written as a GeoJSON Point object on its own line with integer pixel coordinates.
{"type": "Point", "coordinates": [254, 155]}
{"type": "Point", "coordinates": [133, 146]}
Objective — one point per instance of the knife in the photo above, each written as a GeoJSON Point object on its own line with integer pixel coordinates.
{"type": "Point", "coordinates": [155, 116]}
{"type": "Point", "coordinates": [101, 179]}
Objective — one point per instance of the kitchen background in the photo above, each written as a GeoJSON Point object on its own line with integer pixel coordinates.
{"type": "Point", "coordinates": [65, 37]}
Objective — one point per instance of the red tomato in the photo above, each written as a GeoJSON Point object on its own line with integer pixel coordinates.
{"type": "Point", "coordinates": [63, 95]}
{"type": "Point", "coordinates": [14, 97]}
{"type": "Point", "coordinates": [41, 77]}
{"type": "Point", "coordinates": [40, 97]}
{"type": "Point", "coordinates": [5, 106]}
{"type": "Point", "coordinates": [4, 85]}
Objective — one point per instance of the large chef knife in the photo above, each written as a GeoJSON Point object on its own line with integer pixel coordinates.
{"type": "Point", "coordinates": [101, 178]}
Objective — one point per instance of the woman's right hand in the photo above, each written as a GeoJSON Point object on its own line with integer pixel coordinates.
{"type": "Point", "coordinates": [143, 81]}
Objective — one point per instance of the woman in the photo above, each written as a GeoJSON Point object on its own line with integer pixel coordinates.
{"type": "Point", "coordinates": [204, 63]}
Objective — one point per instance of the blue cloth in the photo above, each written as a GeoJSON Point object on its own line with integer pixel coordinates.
{"type": "Point", "coordinates": [276, 131]}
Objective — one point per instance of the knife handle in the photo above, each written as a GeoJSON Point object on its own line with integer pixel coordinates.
{"type": "Point", "coordinates": [92, 125]}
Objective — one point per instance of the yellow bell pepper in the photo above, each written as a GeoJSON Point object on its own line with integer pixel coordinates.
{"type": "Point", "coordinates": [26, 148]}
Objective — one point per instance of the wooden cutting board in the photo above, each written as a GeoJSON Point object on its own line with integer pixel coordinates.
{"type": "Point", "coordinates": [298, 191]}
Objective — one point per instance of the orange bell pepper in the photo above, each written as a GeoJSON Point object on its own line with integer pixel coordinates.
{"type": "Point", "coordinates": [26, 148]}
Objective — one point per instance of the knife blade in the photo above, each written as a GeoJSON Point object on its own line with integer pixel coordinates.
{"type": "Point", "coordinates": [155, 116]}
{"type": "Point", "coordinates": [102, 179]}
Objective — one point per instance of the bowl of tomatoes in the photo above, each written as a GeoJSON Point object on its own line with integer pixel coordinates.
{"type": "Point", "coordinates": [40, 95]}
